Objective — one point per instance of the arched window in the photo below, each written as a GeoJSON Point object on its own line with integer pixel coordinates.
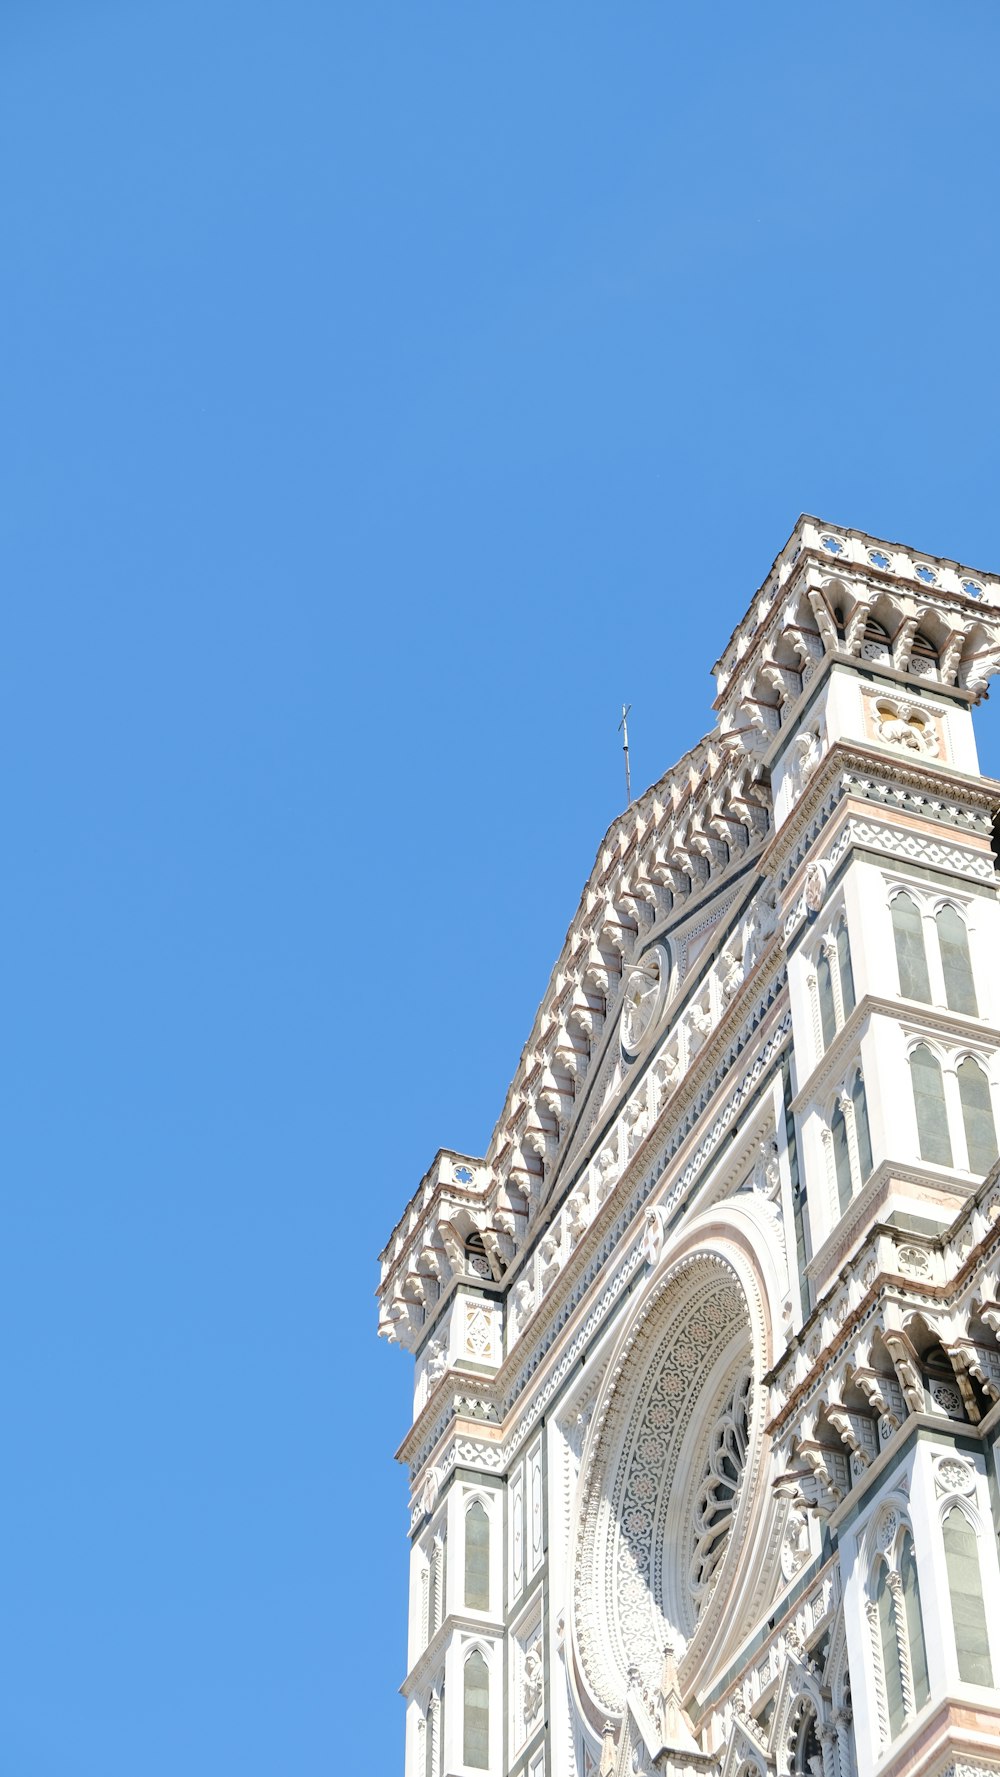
{"type": "Point", "coordinates": [914, 1622]}
{"type": "Point", "coordinates": [807, 1753]}
{"type": "Point", "coordinates": [897, 1623]}
{"type": "Point", "coordinates": [477, 1557]}
{"type": "Point", "coordinates": [841, 1157]}
{"type": "Point", "coordinates": [977, 1115]}
{"type": "Point", "coordinates": [911, 958]}
{"type": "Point", "coordinates": [846, 971]}
{"type": "Point", "coordinates": [476, 1714]}
{"type": "Point", "coordinates": [891, 1669]}
{"type": "Point", "coordinates": [827, 1009]}
{"type": "Point", "coordinates": [860, 1103]}
{"type": "Point", "coordinates": [928, 1099]}
{"type": "Point", "coordinates": [965, 1583]}
{"type": "Point", "coordinates": [956, 963]}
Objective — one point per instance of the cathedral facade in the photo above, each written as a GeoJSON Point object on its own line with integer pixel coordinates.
{"type": "Point", "coordinates": [704, 1451]}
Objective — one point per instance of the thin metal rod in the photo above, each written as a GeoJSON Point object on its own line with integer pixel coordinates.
{"type": "Point", "coordinates": [623, 730]}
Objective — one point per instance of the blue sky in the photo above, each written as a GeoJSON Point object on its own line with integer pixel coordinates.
{"type": "Point", "coordinates": [389, 392]}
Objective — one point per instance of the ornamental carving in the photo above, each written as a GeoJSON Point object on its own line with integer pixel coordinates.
{"type": "Point", "coordinates": [665, 1490]}
{"type": "Point", "coordinates": [653, 1235]}
{"type": "Point", "coordinates": [952, 1475]}
{"type": "Point", "coordinates": [814, 884]}
{"type": "Point", "coordinates": [645, 989]}
{"type": "Point", "coordinates": [478, 1331]}
{"type": "Point", "coordinates": [715, 1505]}
{"type": "Point", "coordinates": [902, 724]}
{"type": "Point", "coordinates": [531, 1683]}
{"type": "Point", "coordinates": [794, 1543]}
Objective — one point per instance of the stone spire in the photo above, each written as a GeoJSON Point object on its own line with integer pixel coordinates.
{"type": "Point", "coordinates": [675, 1723]}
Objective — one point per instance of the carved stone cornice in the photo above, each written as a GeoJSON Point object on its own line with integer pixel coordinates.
{"type": "Point", "coordinates": [913, 1015]}
{"type": "Point", "coordinates": [427, 1667]}
{"type": "Point", "coordinates": [850, 771]}
{"type": "Point", "coordinates": [611, 1254]}
{"type": "Point", "coordinates": [812, 611]}
{"type": "Point", "coordinates": [949, 1284]}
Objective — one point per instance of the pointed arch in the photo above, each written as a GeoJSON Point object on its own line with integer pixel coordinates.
{"type": "Point", "coordinates": [929, 1103]}
{"type": "Point", "coordinates": [827, 1008]}
{"type": "Point", "coordinates": [862, 1128]}
{"type": "Point", "coordinates": [965, 1586]}
{"type": "Point", "coordinates": [847, 997]}
{"type": "Point", "coordinates": [911, 956]}
{"type": "Point", "coordinates": [956, 961]}
{"type": "Point", "coordinates": [841, 1156]}
{"type": "Point", "coordinates": [477, 1556]}
{"type": "Point", "coordinates": [476, 1711]}
{"type": "Point", "coordinates": [977, 1114]}
{"type": "Point", "coordinates": [914, 1620]}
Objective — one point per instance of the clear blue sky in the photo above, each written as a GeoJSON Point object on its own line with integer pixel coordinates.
{"type": "Point", "coordinates": [389, 391]}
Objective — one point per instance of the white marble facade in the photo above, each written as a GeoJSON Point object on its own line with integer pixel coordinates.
{"type": "Point", "coordinates": [707, 1345]}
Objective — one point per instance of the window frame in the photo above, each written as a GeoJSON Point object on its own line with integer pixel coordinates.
{"type": "Point", "coordinates": [931, 900]}
{"type": "Point", "coordinates": [469, 1651]}
{"type": "Point", "coordinates": [825, 949]}
{"type": "Point", "coordinates": [885, 1539]}
{"type": "Point", "coordinates": [949, 1057]}
{"type": "Point", "coordinates": [842, 1104]}
{"type": "Point", "coordinates": [470, 1501]}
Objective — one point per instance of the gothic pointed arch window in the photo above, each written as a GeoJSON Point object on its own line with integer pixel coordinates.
{"type": "Point", "coordinates": [476, 1712]}
{"type": "Point", "coordinates": [965, 1585]}
{"type": "Point", "coordinates": [827, 1009]}
{"type": "Point", "coordinates": [833, 978]}
{"type": "Point", "coordinates": [911, 956]}
{"type": "Point", "coordinates": [841, 1157]}
{"type": "Point", "coordinates": [977, 1115]}
{"type": "Point", "coordinates": [806, 1752]}
{"type": "Point", "coordinates": [849, 1138]}
{"type": "Point", "coordinates": [896, 1620]}
{"type": "Point", "coordinates": [477, 1556]}
{"type": "Point", "coordinates": [914, 1621]}
{"type": "Point", "coordinates": [845, 967]}
{"type": "Point", "coordinates": [859, 1103]}
{"type": "Point", "coordinates": [956, 962]}
{"type": "Point", "coordinates": [929, 1104]}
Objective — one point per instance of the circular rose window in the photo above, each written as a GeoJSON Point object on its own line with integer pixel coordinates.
{"type": "Point", "coordinates": [664, 1490]}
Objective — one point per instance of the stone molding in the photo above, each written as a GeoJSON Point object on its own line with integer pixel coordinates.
{"type": "Point", "coordinates": [895, 1281]}
{"type": "Point", "coordinates": [592, 1266]}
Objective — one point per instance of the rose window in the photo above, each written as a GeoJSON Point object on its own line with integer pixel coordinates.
{"type": "Point", "coordinates": [666, 1498]}
{"type": "Point", "coordinates": [716, 1501]}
